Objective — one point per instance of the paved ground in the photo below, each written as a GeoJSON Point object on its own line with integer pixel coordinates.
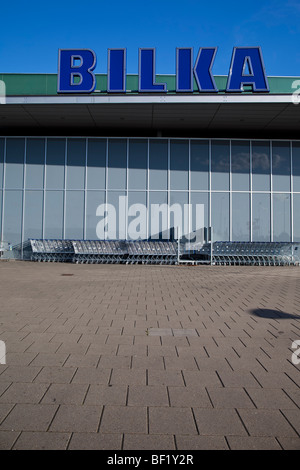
{"type": "Point", "coordinates": [149, 357]}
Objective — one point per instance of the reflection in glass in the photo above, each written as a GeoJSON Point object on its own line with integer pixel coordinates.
{"type": "Point", "coordinates": [220, 216]}
{"type": "Point", "coordinates": [198, 199]}
{"type": "Point", "coordinates": [1, 160]}
{"type": "Point", "coordinates": [199, 164]}
{"type": "Point", "coordinates": [158, 164]}
{"type": "Point", "coordinates": [240, 217]}
{"type": "Point", "coordinates": [179, 213]}
{"type": "Point", "coordinates": [55, 159]}
{"type": "Point", "coordinates": [117, 164]}
{"type": "Point", "coordinates": [261, 221]}
{"type": "Point", "coordinates": [220, 157]}
{"type": "Point", "coordinates": [35, 163]}
{"type": "Point", "coordinates": [281, 166]}
{"type": "Point", "coordinates": [54, 214]}
{"type": "Point", "coordinates": [33, 214]}
{"type": "Point", "coordinates": [158, 225]}
{"type": "Point", "coordinates": [74, 217]}
{"type": "Point", "coordinates": [138, 163]}
{"type": "Point", "coordinates": [296, 218]}
{"type": "Point", "coordinates": [137, 215]}
{"type": "Point", "coordinates": [76, 156]}
{"type": "Point", "coordinates": [96, 163]}
{"type": "Point", "coordinates": [12, 223]}
{"type": "Point", "coordinates": [296, 166]}
{"type": "Point", "coordinates": [261, 166]}
{"type": "Point", "coordinates": [281, 218]}
{"type": "Point", "coordinates": [118, 203]}
{"type": "Point", "coordinates": [240, 165]}
{"type": "Point", "coordinates": [93, 200]}
{"type": "Point", "coordinates": [14, 168]}
{"type": "Point", "coordinates": [179, 164]}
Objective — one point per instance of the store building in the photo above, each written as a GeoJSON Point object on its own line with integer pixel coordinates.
{"type": "Point", "coordinates": [182, 140]}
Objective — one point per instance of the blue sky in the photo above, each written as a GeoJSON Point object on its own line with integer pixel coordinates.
{"type": "Point", "coordinates": [33, 31]}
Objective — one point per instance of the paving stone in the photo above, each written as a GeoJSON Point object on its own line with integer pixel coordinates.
{"type": "Point", "coordinates": [289, 443]}
{"type": "Point", "coordinates": [91, 375]}
{"type": "Point", "coordinates": [42, 441]}
{"type": "Point", "coordinates": [148, 442]}
{"type": "Point", "coordinates": [124, 419]}
{"type": "Point", "coordinates": [165, 420]}
{"type": "Point", "coordinates": [153, 363]}
{"type": "Point", "coordinates": [20, 374]}
{"type": "Point", "coordinates": [187, 443]}
{"type": "Point", "coordinates": [275, 400]}
{"type": "Point", "coordinates": [148, 395]}
{"type": "Point", "coordinates": [229, 398]}
{"type": "Point", "coordinates": [28, 417]}
{"type": "Point", "coordinates": [70, 394]}
{"type": "Point", "coordinates": [266, 423]}
{"type": "Point", "coordinates": [73, 418]}
{"type": "Point", "coordinates": [253, 443]}
{"type": "Point", "coordinates": [128, 377]}
{"type": "Point", "coordinates": [192, 396]}
{"type": "Point", "coordinates": [55, 375]}
{"type": "Point", "coordinates": [80, 360]}
{"type": "Point", "coordinates": [7, 439]}
{"type": "Point", "coordinates": [218, 422]}
{"type": "Point", "coordinates": [106, 395]}
{"type": "Point", "coordinates": [201, 378]}
{"type": "Point", "coordinates": [95, 441]}
{"type": "Point", "coordinates": [165, 377]}
{"type": "Point", "coordinates": [24, 393]}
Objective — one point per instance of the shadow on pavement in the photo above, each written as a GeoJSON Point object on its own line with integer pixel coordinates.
{"type": "Point", "coordinates": [275, 314]}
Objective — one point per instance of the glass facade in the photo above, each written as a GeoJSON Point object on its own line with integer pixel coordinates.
{"type": "Point", "coordinates": [57, 187]}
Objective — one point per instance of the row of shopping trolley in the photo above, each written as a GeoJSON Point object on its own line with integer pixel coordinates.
{"type": "Point", "coordinates": [255, 253]}
{"type": "Point", "coordinates": [159, 252]}
{"type": "Point", "coordinates": [100, 251]}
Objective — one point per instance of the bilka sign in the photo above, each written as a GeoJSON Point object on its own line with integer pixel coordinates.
{"type": "Point", "coordinates": [76, 71]}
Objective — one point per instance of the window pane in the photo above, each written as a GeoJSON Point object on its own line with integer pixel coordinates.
{"type": "Point", "coordinates": [296, 218]}
{"type": "Point", "coordinates": [96, 164]}
{"type": "Point", "coordinates": [261, 166]}
{"type": "Point", "coordinates": [33, 216]}
{"type": "Point", "coordinates": [281, 166]}
{"type": "Point", "coordinates": [117, 164]}
{"type": "Point", "coordinates": [296, 165]}
{"type": "Point", "coordinates": [220, 216]}
{"type": "Point", "coordinates": [137, 215]}
{"type": "Point", "coordinates": [94, 200]}
{"type": "Point", "coordinates": [15, 149]}
{"type": "Point", "coordinates": [74, 215]}
{"type": "Point", "coordinates": [1, 160]}
{"type": "Point", "coordinates": [199, 164]}
{"type": "Point", "coordinates": [240, 217]}
{"type": "Point", "coordinates": [54, 214]}
{"type": "Point", "coordinates": [55, 159]}
{"type": "Point", "coordinates": [240, 165]}
{"type": "Point", "coordinates": [282, 217]}
{"type": "Point", "coordinates": [158, 164]}
{"type": "Point", "coordinates": [220, 151]}
{"type": "Point", "coordinates": [118, 210]}
{"type": "Point", "coordinates": [12, 217]}
{"type": "Point", "coordinates": [138, 162]}
{"type": "Point", "coordinates": [261, 222]}
{"type": "Point", "coordinates": [196, 213]}
{"type": "Point", "coordinates": [158, 214]}
{"type": "Point", "coordinates": [76, 156]}
{"type": "Point", "coordinates": [35, 163]}
{"type": "Point", "coordinates": [179, 164]}
{"type": "Point", "coordinates": [179, 213]}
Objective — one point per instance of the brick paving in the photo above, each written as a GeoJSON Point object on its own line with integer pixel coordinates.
{"type": "Point", "coordinates": [149, 357]}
